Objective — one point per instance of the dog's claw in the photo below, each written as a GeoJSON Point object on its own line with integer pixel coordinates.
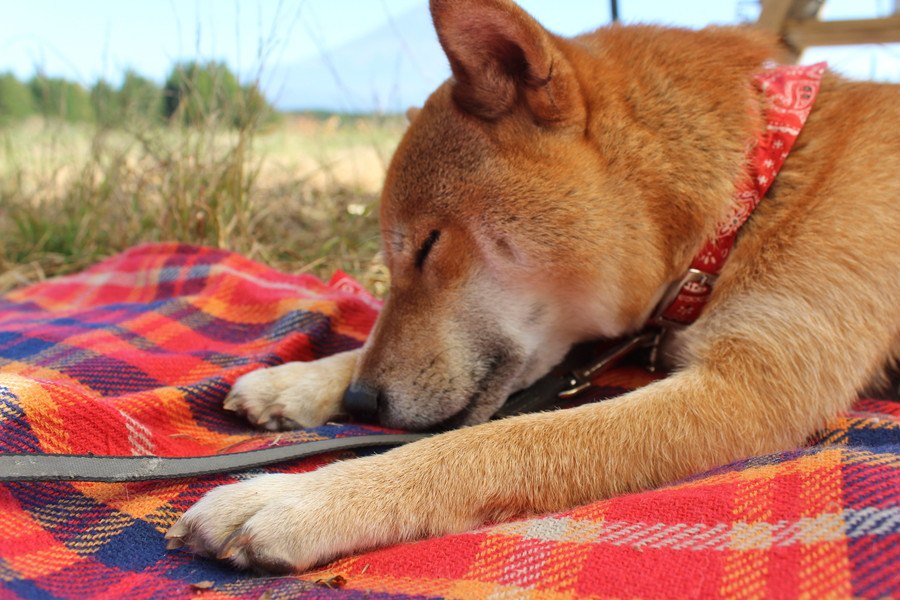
{"type": "Point", "coordinates": [234, 544]}
{"type": "Point", "coordinates": [231, 403]}
{"type": "Point", "coordinates": [174, 543]}
{"type": "Point", "coordinates": [177, 531]}
{"type": "Point", "coordinates": [273, 410]}
{"type": "Point", "coordinates": [175, 535]}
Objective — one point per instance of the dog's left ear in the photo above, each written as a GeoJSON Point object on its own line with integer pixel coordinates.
{"type": "Point", "coordinates": [500, 55]}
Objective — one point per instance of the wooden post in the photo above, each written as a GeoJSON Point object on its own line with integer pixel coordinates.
{"type": "Point", "coordinates": [797, 22]}
{"type": "Point", "coordinates": [778, 15]}
{"type": "Point", "coordinates": [773, 14]}
{"type": "Point", "coordinates": [885, 30]}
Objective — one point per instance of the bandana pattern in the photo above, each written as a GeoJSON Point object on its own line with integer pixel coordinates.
{"type": "Point", "coordinates": [789, 92]}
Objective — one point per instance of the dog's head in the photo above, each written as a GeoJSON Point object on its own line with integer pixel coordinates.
{"type": "Point", "coordinates": [508, 229]}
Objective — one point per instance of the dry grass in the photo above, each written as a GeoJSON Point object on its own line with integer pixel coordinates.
{"type": "Point", "coordinates": [299, 194]}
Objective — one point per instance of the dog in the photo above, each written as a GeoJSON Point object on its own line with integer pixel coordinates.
{"type": "Point", "coordinates": [549, 193]}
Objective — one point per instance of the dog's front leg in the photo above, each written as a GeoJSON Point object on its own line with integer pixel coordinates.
{"type": "Point", "coordinates": [459, 480]}
{"type": "Point", "coordinates": [295, 394]}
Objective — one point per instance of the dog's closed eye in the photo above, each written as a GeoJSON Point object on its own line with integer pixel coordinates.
{"type": "Point", "coordinates": [426, 247]}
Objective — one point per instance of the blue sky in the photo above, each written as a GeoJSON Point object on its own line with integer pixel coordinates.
{"type": "Point", "coordinates": [89, 39]}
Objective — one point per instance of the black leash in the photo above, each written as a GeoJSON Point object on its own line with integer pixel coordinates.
{"type": "Point", "coordinates": [549, 392]}
{"type": "Point", "coordinates": [119, 469]}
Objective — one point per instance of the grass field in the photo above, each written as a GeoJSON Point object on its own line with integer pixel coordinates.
{"type": "Point", "coordinates": [299, 194]}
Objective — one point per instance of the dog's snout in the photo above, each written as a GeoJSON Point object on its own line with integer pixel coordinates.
{"type": "Point", "coordinates": [361, 402]}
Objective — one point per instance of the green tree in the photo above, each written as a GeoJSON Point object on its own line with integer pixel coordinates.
{"type": "Point", "coordinates": [140, 98]}
{"type": "Point", "coordinates": [210, 92]}
{"type": "Point", "coordinates": [106, 103]}
{"type": "Point", "coordinates": [15, 99]}
{"type": "Point", "coordinates": [56, 97]}
{"type": "Point", "coordinates": [254, 108]}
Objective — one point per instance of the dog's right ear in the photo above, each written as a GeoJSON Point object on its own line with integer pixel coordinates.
{"type": "Point", "coordinates": [501, 55]}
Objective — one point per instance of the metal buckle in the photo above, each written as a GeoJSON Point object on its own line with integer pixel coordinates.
{"type": "Point", "coordinates": [692, 276]}
{"type": "Point", "coordinates": [580, 379]}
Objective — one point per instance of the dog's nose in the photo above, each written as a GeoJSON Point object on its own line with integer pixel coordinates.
{"type": "Point", "coordinates": [361, 402]}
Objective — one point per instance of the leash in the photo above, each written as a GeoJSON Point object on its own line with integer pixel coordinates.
{"type": "Point", "coordinates": [789, 92]}
{"type": "Point", "coordinates": [120, 469]}
{"type": "Point", "coordinates": [545, 394]}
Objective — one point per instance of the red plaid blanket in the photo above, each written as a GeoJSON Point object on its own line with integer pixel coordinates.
{"type": "Point", "coordinates": [135, 355]}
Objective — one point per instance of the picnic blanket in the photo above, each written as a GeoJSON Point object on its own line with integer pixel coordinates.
{"type": "Point", "coordinates": [135, 355]}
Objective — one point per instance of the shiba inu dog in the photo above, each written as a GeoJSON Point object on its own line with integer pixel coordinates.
{"type": "Point", "coordinates": [551, 192]}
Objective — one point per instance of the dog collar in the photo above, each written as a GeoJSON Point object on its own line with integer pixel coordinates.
{"type": "Point", "coordinates": [789, 93]}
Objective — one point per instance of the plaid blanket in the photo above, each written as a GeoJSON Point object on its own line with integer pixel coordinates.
{"type": "Point", "coordinates": [134, 356]}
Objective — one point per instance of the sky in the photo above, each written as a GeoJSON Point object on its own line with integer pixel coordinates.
{"type": "Point", "coordinates": [91, 39]}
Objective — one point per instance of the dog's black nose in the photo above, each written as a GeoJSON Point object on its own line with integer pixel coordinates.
{"type": "Point", "coordinates": [361, 402]}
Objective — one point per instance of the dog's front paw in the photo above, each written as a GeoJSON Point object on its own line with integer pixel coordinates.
{"type": "Point", "coordinates": [293, 395]}
{"type": "Point", "coordinates": [278, 523]}
{"type": "Point", "coordinates": [281, 522]}
{"type": "Point", "coordinates": [272, 523]}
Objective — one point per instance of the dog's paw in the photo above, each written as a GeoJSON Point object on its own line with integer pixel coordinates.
{"type": "Point", "coordinates": [271, 523]}
{"type": "Point", "coordinates": [288, 522]}
{"type": "Point", "coordinates": [293, 395]}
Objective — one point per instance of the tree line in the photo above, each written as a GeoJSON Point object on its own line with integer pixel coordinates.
{"type": "Point", "coordinates": [194, 93]}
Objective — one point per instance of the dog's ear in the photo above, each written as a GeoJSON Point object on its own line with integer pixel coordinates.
{"type": "Point", "coordinates": [411, 113]}
{"type": "Point", "coordinates": [499, 56]}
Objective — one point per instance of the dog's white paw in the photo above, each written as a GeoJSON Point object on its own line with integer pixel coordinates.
{"type": "Point", "coordinates": [271, 523]}
{"type": "Point", "coordinates": [288, 522]}
{"type": "Point", "coordinates": [293, 395]}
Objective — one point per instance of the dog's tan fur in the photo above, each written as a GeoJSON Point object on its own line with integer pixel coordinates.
{"type": "Point", "coordinates": [571, 181]}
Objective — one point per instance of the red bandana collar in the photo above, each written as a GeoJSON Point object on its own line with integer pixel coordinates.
{"type": "Point", "coordinates": [789, 92]}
